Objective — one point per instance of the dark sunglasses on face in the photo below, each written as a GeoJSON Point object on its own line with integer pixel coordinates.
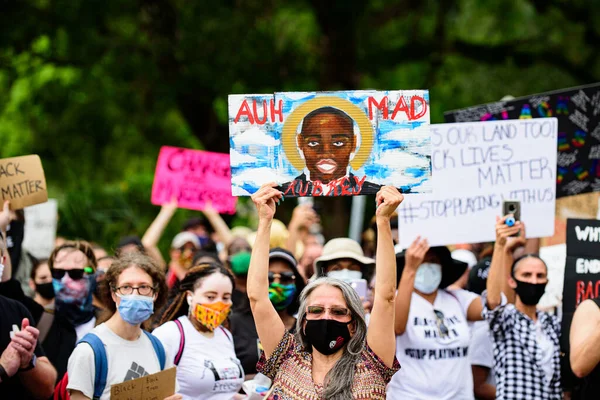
{"type": "Point", "coordinates": [284, 277]}
{"type": "Point", "coordinates": [443, 329]}
{"type": "Point", "coordinates": [74, 274]}
{"type": "Point", "coordinates": [316, 311]}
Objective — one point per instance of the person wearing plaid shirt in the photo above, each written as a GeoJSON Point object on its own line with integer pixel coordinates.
{"type": "Point", "coordinates": [526, 341]}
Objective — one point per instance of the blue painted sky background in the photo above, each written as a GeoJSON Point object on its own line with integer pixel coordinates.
{"type": "Point", "coordinates": [401, 154]}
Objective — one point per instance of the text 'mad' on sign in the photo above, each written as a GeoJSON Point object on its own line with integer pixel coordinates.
{"type": "Point", "coordinates": [330, 143]}
{"type": "Point", "coordinates": [193, 177]}
{"type": "Point", "coordinates": [22, 181]}
{"type": "Point", "coordinates": [578, 145]}
{"type": "Point", "coordinates": [475, 167]}
{"type": "Point", "coordinates": [40, 228]}
{"type": "Point", "coordinates": [150, 387]}
{"type": "Point", "coordinates": [582, 269]}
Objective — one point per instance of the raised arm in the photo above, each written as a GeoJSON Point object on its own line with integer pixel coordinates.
{"type": "Point", "coordinates": [218, 224]}
{"type": "Point", "coordinates": [585, 339]}
{"type": "Point", "coordinates": [512, 243]}
{"type": "Point", "coordinates": [4, 221]}
{"type": "Point", "coordinates": [269, 325]}
{"type": "Point", "coordinates": [380, 334]}
{"type": "Point", "coordinates": [303, 217]}
{"type": "Point", "coordinates": [497, 280]}
{"type": "Point", "coordinates": [156, 229]}
{"type": "Point", "coordinates": [415, 255]}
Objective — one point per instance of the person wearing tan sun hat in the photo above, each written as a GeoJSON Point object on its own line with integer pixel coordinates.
{"type": "Point", "coordinates": [343, 258]}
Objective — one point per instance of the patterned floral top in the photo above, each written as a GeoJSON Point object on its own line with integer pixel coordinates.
{"type": "Point", "coordinates": [290, 369]}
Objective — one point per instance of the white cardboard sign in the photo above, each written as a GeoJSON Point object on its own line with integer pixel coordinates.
{"type": "Point", "coordinates": [40, 228]}
{"type": "Point", "coordinates": [475, 166]}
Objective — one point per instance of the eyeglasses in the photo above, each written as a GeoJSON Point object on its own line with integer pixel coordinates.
{"type": "Point", "coordinates": [144, 290]}
{"type": "Point", "coordinates": [284, 277]}
{"type": "Point", "coordinates": [75, 274]}
{"type": "Point", "coordinates": [317, 311]}
{"type": "Point", "coordinates": [443, 329]}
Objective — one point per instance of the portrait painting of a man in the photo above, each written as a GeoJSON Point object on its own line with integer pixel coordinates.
{"type": "Point", "coordinates": [330, 143]}
{"type": "Point", "coordinates": [327, 142]}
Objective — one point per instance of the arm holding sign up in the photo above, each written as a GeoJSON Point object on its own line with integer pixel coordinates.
{"type": "Point", "coordinates": [269, 325]}
{"type": "Point", "coordinates": [156, 229]}
{"type": "Point", "coordinates": [380, 335]}
{"type": "Point", "coordinates": [415, 255]}
{"type": "Point", "coordinates": [497, 282]}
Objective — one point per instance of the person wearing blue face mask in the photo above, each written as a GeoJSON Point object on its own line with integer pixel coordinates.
{"type": "Point", "coordinates": [431, 324]}
{"type": "Point", "coordinates": [133, 286]}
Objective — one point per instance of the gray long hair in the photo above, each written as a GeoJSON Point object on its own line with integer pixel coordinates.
{"type": "Point", "coordinates": [338, 382]}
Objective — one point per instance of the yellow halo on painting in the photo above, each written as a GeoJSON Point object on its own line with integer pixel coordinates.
{"type": "Point", "coordinates": [288, 133]}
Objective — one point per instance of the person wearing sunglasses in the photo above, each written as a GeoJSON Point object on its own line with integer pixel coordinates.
{"type": "Point", "coordinates": [331, 355]}
{"type": "Point", "coordinates": [133, 286]}
{"type": "Point", "coordinates": [432, 326]}
{"type": "Point", "coordinates": [285, 285]}
{"type": "Point", "coordinates": [72, 267]}
{"type": "Point", "coordinates": [191, 328]}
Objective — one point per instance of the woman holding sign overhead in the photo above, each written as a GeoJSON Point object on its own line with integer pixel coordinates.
{"type": "Point", "coordinates": [432, 327]}
{"type": "Point", "coordinates": [331, 355]}
{"type": "Point", "coordinates": [119, 350]}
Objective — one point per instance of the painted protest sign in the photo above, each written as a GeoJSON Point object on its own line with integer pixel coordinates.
{"type": "Point", "coordinates": [40, 228]}
{"type": "Point", "coordinates": [330, 143]}
{"type": "Point", "coordinates": [150, 387]}
{"type": "Point", "coordinates": [193, 177]}
{"type": "Point", "coordinates": [22, 181]}
{"type": "Point", "coordinates": [578, 113]}
{"type": "Point", "coordinates": [582, 269]}
{"type": "Point", "coordinates": [476, 166]}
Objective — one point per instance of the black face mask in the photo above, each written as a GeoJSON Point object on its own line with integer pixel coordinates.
{"type": "Point", "coordinates": [327, 335]}
{"type": "Point", "coordinates": [530, 293]}
{"type": "Point", "coordinates": [46, 290]}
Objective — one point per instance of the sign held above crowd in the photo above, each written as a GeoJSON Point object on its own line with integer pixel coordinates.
{"type": "Point", "coordinates": [22, 181]}
{"type": "Point", "coordinates": [476, 166]}
{"type": "Point", "coordinates": [193, 177]}
{"type": "Point", "coordinates": [330, 143]}
{"type": "Point", "coordinates": [582, 269]}
{"type": "Point", "coordinates": [578, 113]}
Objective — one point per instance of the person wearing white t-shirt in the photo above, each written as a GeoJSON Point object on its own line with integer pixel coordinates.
{"type": "Point", "coordinates": [433, 335]}
{"type": "Point", "coordinates": [191, 330]}
{"type": "Point", "coordinates": [136, 284]}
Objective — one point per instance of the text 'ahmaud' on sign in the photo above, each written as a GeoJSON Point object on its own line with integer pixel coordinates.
{"type": "Point", "coordinates": [22, 181]}
{"type": "Point", "coordinates": [330, 143]}
{"type": "Point", "coordinates": [476, 166]}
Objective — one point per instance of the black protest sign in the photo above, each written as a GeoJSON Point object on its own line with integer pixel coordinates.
{"type": "Point", "coordinates": [582, 270]}
{"type": "Point", "coordinates": [578, 114]}
{"type": "Point", "coordinates": [22, 181]}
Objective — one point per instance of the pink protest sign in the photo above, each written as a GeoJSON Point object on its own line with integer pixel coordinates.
{"type": "Point", "coordinates": [193, 177]}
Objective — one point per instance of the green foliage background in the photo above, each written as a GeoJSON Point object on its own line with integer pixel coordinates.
{"type": "Point", "coordinates": [95, 87]}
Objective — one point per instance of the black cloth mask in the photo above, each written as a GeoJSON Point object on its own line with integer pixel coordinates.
{"type": "Point", "coordinates": [530, 293]}
{"type": "Point", "coordinates": [46, 290]}
{"type": "Point", "coordinates": [327, 335]}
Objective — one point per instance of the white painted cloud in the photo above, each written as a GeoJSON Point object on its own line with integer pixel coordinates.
{"type": "Point", "coordinates": [399, 161]}
{"type": "Point", "coordinates": [254, 136]}
{"type": "Point", "coordinates": [254, 177]}
{"type": "Point", "coordinates": [294, 95]}
{"type": "Point", "coordinates": [238, 158]}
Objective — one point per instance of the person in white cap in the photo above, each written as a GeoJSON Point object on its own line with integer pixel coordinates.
{"type": "Point", "coordinates": [183, 247]}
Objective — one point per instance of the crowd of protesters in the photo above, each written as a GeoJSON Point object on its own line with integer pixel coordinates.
{"type": "Point", "coordinates": [315, 319]}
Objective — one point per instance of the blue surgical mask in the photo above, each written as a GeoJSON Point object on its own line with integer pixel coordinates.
{"type": "Point", "coordinates": [135, 309]}
{"type": "Point", "coordinates": [428, 277]}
